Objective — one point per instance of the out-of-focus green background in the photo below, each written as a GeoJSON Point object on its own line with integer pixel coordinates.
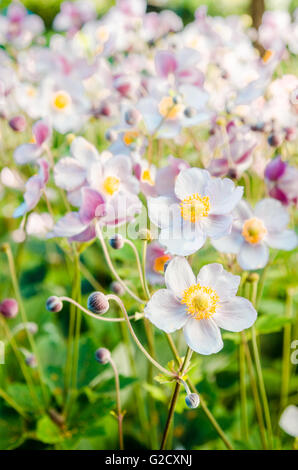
{"type": "Point", "coordinates": [47, 9]}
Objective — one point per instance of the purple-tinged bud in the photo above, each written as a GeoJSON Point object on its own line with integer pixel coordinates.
{"type": "Point", "coordinates": [275, 169]}
{"type": "Point", "coordinates": [18, 123]}
{"type": "Point", "coordinates": [274, 140]}
{"type": "Point", "coordinates": [117, 288]}
{"type": "Point", "coordinates": [98, 303]}
{"type": "Point", "coordinates": [116, 241]}
{"type": "Point", "coordinates": [190, 112]}
{"type": "Point", "coordinates": [258, 127]}
{"type": "Point", "coordinates": [111, 135]}
{"type": "Point", "coordinates": [131, 116]}
{"type": "Point", "coordinates": [54, 304]}
{"type": "Point", "coordinates": [192, 400]}
{"type": "Point", "coordinates": [102, 355]}
{"type": "Point", "coordinates": [31, 361]}
{"type": "Point", "coordinates": [9, 308]}
{"type": "Point", "coordinates": [291, 134]}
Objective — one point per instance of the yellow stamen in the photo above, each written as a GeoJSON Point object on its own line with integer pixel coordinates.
{"type": "Point", "coordinates": [195, 207]}
{"type": "Point", "coordinates": [267, 56]}
{"type": "Point", "coordinates": [111, 185]}
{"type": "Point", "coordinates": [129, 137]}
{"type": "Point", "coordinates": [159, 263]}
{"type": "Point", "coordinates": [146, 177]}
{"type": "Point", "coordinates": [254, 230]}
{"type": "Point", "coordinates": [201, 301]}
{"type": "Point", "coordinates": [61, 100]}
{"type": "Point", "coordinates": [168, 109]}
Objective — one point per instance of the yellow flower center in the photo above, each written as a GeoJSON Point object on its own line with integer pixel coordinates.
{"type": "Point", "coordinates": [111, 184]}
{"type": "Point", "coordinates": [129, 137]}
{"type": "Point", "coordinates": [195, 207]}
{"type": "Point", "coordinates": [160, 262]}
{"type": "Point", "coordinates": [31, 92]}
{"type": "Point", "coordinates": [254, 230]}
{"type": "Point", "coordinates": [201, 301]}
{"type": "Point", "coordinates": [267, 56]}
{"type": "Point", "coordinates": [146, 177]}
{"type": "Point", "coordinates": [102, 34]}
{"type": "Point", "coordinates": [168, 109]}
{"type": "Point", "coordinates": [61, 100]}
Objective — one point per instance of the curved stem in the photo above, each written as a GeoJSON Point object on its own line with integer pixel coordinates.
{"type": "Point", "coordinates": [145, 243]}
{"type": "Point", "coordinates": [130, 243]}
{"type": "Point", "coordinates": [137, 341]}
{"type": "Point", "coordinates": [112, 269]}
{"type": "Point", "coordinates": [174, 399]}
{"type": "Point", "coordinates": [118, 404]}
{"type": "Point", "coordinates": [286, 359]}
{"type": "Point", "coordinates": [243, 396]}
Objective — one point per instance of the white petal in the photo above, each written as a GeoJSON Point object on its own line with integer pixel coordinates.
{"type": "Point", "coordinates": [191, 181]}
{"type": "Point", "coordinates": [215, 276]}
{"type": "Point", "coordinates": [203, 336]}
{"type": "Point", "coordinates": [273, 214]}
{"type": "Point", "coordinates": [229, 244]}
{"type": "Point", "coordinates": [159, 210]}
{"type": "Point", "coordinates": [223, 195]}
{"type": "Point", "coordinates": [179, 276]}
{"type": "Point", "coordinates": [242, 212]}
{"type": "Point", "coordinates": [83, 151]}
{"type": "Point", "coordinates": [119, 166]}
{"type": "Point", "coordinates": [253, 256]}
{"type": "Point", "coordinates": [217, 226]}
{"type": "Point", "coordinates": [165, 311]}
{"type": "Point", "coordinates": [289, 420]}
{"type": "Point", "coordinates": [235, 314]}
{"type": "Point", "coordinates": [69, 174]}
{"type": "Point", "coordinates": [179, 243]}
{"type": "Point", "coordinates": [285, 240]}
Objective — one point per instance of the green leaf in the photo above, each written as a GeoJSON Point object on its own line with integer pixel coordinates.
{"type": "Point", "coordinates": [20, 393]}
{"type": "Point", "coordinates": [47, 431]}
{"type": "Point", "coordinates": [156, 392]}
{"type": "Point", "coordinates": [271, 323]}
{"type": "Point", "coordinates": [12, 429]}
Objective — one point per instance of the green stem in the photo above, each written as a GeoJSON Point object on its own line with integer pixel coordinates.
{"type": "Point", "coordinates": [12, 403]}
{"type": "Point", "coordinates": [243, 397]}
{"type": "Point", "coordinates": [286, 359]}
{"type": "Point", "coordinates": [145, 243]}
{"type": "Point", "coordinates": [118, 404]}
{"type": "Point", "coordinates": [15, 283]}
{"type": "Point", "coordinates": [139, 265]}
{"type": "Point", "coordinates": [174, 399]}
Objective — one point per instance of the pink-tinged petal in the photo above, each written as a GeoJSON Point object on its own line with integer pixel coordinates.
{"type": "Point", "coordinates": [242, 212]}
{"type": "Point", "coordinates": [120, 208]}
{"type": "Point", "coordinates": [217, 226]}
{"type": "Point", "coordinates": [285, 240]}
{"type": "Point", "coordinates": [215, 276]}
{"type": "Point", "coordinates": [253, 256]}
{"type": "Point", "coordinates": [119, 166]}
{"type": "Point", "coordinates": [41, 131]}
{"type": "Point", "coordinates": [69, 174]}
{"type": "Point", "coordinates": [275, 169]}
{"type": "Point", "coordinates": [44, 168]}
{"type": "Point", "coordinates": [203, 336]}
{"type": "Point", "coordinates": [229, 244]}
{"type": "Point", "coordinates": [235, 314]}
{"type": "Point", "coordinates": [91, 200]}
{"type": "Point", "coordinates": [84, 236]}
{"type": "Point", "coordinates": [83, 151]}
{"type": "Point", "coordinates": [159, 210]}
{"type": "Point", "coordinates": [26, 153]}
{"type": "Point", "coordinates": [289, 420]}
{"type": "Point", "coordinates": [179, 276]}
{"type": "Point", "coordinates": [223, 195]}
{"type": "Point", "coordinates": [68, 226]}
{"type": "Point", "coordinates": [165, 63]}
{"type": "Point", "coordinates": [33, 192]}
{"type": "Point", "coordinates": [191, 181]}
{"type": "Point", "coordinates": [273, 214]}
{"type": "Point", "coordinates": [165, 311]}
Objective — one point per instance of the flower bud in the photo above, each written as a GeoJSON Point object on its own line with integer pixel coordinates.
{"type": "Point", "coordinates": [102, 355]}
{"type": "Point", "coordinates": [190, 112]}
{"type": "Point", "coordinates": [9, 308]}
{"type": "Point", "coordinates": [275, 169]}
{"type": "Point", "coordinates": [18, 123]}
{"type": "Point", "coordinates": [192, 400]}
{"type": "Point", "coordinates": [116, 241]}
{"type": "Point", "coordinates": [117, 288]}
{"type": "Point", "coordinates": [111, 135]}
{"type": "Point", "coordinates": [274, 140]}
{"type": "Point", "coordinates": [70, 138]}
{"type": "Point", "coordinates": [145, 234]}
{"type": "Point", "coordinates": [98, 303]}
{"type": "Point", "coordinates": [54, 304]}
{"type": "Point", "coordinates": [253, 277]}
{"type": "Point", "coordinates": [131, 117]}
{"type": "Point", "coordinates": [31, 361]}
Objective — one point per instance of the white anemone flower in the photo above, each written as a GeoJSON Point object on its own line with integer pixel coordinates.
{"type": "Point", "coordinates": [201, 306]}
{"type": "Point", "coordinates": [254, 231]}
{"type": "Point", "coordinates": [201, 208]}
{"type": "Point", "coordinates": [289, 420]}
